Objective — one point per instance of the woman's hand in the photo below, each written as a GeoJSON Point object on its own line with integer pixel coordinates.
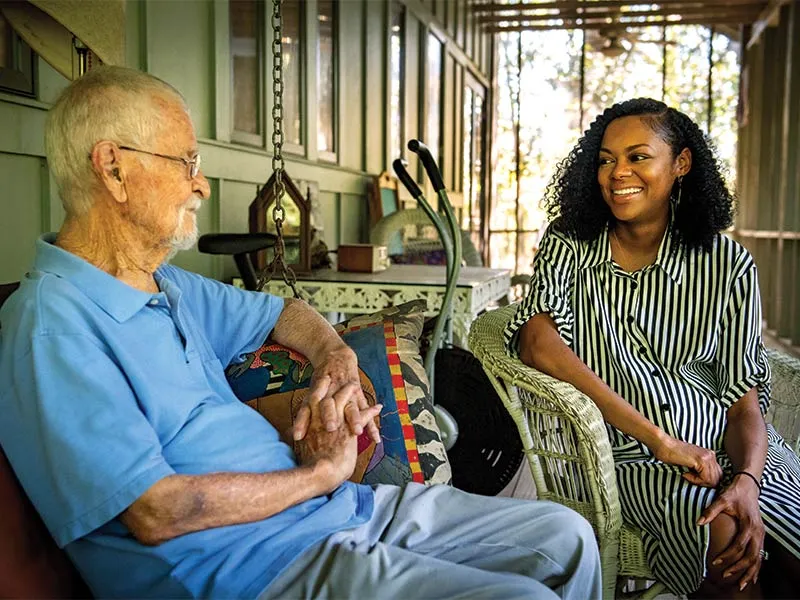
{"type": "Point", "coordinates": [702, 463]}
{"type": "Point", "coordinates": [743, 556]}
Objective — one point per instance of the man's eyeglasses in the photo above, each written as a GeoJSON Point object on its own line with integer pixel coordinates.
{"type": "Point", "coordinates": [193, 165]}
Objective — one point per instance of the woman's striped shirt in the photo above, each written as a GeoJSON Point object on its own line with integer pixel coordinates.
{"type": "Point", "coordinates": [680, 340]}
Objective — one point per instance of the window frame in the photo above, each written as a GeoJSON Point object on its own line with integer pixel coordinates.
{"type": "Point", "coordinates": [477, 90]}
{"type": "Point", "coordinates": [245, 137]}
{"type": "Point", "coordinates": [425, 116]}
{"type": "Point", "coordinates": [20, 81]}
{"type": "Point", "coordinates": [302, 87]}
{"type": "Point", "coordinates": [394, 152]}
{"type": "Point", "coordinates": [330, 156]}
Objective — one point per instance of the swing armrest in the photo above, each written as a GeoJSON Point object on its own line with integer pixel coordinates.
{"type": "Point", "coordinates": [235, 243]}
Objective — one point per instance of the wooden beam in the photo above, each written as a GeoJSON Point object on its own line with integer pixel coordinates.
{"type": "Point", "coordinates": [768, 17]}
{"type": "Point", "coordinates": [768, 235]}
{"type": "Point", "coordinates": [604, 25]}
{"type": "Point", "coordinates": [751, 14]}
{"type": "Point", "coordinates": [492, 7]}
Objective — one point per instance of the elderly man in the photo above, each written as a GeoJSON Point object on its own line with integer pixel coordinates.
{"type": "Point", "coordinates": [148, 471]}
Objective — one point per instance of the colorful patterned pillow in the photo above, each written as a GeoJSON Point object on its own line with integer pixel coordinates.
{"type": "Point", "coordinates": [274, 379]}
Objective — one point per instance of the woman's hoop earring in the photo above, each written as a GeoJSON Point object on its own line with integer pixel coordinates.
{"type": "Point", "coordinates": [680, 189]}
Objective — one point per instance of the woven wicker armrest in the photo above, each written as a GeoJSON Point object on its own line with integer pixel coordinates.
{"type": "Point", "coordinates": [784, 413]}
{"type": "Point", "coordinates": [560, 423]}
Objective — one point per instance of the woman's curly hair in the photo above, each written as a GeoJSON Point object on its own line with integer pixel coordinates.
{"type": "Point", "coordinates": [575, 203]}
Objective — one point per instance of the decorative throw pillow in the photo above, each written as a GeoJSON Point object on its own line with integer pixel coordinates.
{"type": "Point", "coordinates": [274, 380]}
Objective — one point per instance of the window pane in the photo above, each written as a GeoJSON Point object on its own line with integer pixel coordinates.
{"type": "Point", "coordinates": [292, 14]}
{"type": "Point", "coordinates": [6, 61]}
{"type": "Point", "coordinates": [16, 62]}
{"type": "Point", "coordinates": [397, 83]}
{"type": "Point", "coordinates": [528, 244]}
{"type": "Point", "coordinates": [476, 189]}
{"type": "Point", "coordinates": [504, 198]}
{"type": "Point", "coordinates": [503, 250]}
{"type": "Point", "coordinates": [620, 65]}
{"type": "Point", "coordinates": [725, 93]}
{"type": "Point", "coordinates": [550, 81]}
{"type": "Point", "coordinates": [433, 96]}
{"type": "Point", "coordinates": [466, 169]}
{"type": "Point", "coordinates": [244, 16]}
{"type": "Point", "coordinates": [326, 92]}
{"type": "Point", "coordinates": [687, 72]}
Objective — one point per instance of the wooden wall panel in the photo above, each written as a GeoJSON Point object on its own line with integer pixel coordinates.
{"type": "Point", "coordinates": [178, 32]}
{"type": "Point", "coordinates": [234, 199]}
{"type": "Point", "coordinates": [353, 226]}
{"type": "Point", "coordinates": [329, 209]}
{"type": "Point", "coordinates": [24, 213]}
{"type": "Point", "coordinates": [351, 84]}
{"type": "Point", "coordinates": [375, 101]}
{"type": "Point", "coordinates": [768, 220]}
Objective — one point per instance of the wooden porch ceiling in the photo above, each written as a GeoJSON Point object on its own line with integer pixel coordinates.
{"type": "Point", "coordinates": [605, 14]}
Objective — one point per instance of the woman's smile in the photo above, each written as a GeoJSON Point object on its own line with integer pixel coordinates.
{"type": "Point", "coordinates": [626, 193]}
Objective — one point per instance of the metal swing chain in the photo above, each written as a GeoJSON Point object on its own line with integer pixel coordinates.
{"type": "Point", "coordinates": [279, 189]}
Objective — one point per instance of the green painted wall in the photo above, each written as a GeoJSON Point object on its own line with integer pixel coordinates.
{"type": "Point", "coordinates": [768, 219]}
{"type": "Point", "coordinates": [186, 43]}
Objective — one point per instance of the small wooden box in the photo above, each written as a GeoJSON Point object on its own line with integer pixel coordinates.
{"type": "Point", "coordinates": [362, 258]}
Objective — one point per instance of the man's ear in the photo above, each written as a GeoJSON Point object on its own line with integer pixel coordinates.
{"type": "Point", "coordinates": [106, 162]}
{"type": "Point", "coordinates": [684, 162]}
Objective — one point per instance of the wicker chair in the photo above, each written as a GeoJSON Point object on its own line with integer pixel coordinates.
{"type": "Point", "coordinates": [564, 437]}
{"type": "Point", "coordinates": [784, 414]}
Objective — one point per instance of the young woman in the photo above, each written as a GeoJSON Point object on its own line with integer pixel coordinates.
{"type": "Point", "coordinates": [639, 301]}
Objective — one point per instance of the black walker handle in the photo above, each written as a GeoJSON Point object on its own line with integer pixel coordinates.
{"type": "Point", "coordinates": [425, 156]}
{"type": "Point", "coordinates": [399, 166]}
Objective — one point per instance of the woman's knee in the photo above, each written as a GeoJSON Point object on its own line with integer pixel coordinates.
{"type": "Point", "coordinates": [722, 532]}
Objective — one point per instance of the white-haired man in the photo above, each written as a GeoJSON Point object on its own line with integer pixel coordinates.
{"type": "Point", "coordinates": [156, 480]}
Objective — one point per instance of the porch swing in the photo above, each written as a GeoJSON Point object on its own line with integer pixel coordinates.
{"type": "Point", "coordinates": [478, 434]}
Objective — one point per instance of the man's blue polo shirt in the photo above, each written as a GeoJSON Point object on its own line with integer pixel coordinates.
{"type": "Point", "coordinates": [107, 389]}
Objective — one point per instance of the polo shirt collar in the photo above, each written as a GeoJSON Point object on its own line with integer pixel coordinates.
{"type": "Point", "coordinates": [669, 258]}
{"type": "Point", "coordinates": [116, 298]}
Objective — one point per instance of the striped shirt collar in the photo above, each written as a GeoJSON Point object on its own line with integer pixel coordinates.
{"type": "Point", "coordinates": [671, 262]}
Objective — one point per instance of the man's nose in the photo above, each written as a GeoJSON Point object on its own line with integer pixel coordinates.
{"type": "Point", "coordinates": [201, 187]}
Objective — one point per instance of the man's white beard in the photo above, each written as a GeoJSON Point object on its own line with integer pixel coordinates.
{"type": "Point", "coordinates": [184, 240]}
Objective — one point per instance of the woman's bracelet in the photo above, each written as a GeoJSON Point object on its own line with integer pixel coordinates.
{"type": "Point", "coordinates": [751, 476]}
